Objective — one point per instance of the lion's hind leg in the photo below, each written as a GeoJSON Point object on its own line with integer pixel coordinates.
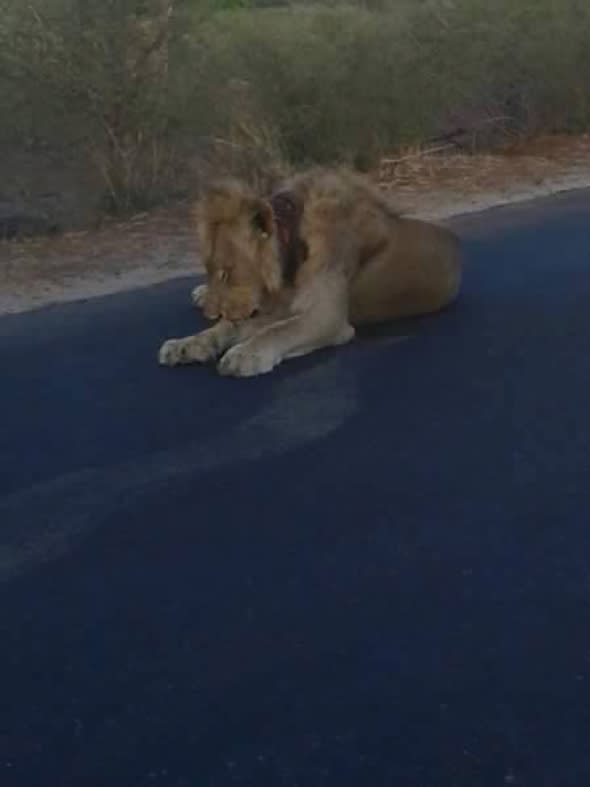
{"type": "Point", "coordinates": [404, 283]}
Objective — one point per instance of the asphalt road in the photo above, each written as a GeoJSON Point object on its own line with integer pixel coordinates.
{"type": "Point", "coordinates": [370, 568]}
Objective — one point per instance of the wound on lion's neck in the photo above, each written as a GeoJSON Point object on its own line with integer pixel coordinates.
{"type": "Point", "coordinates": [287, 215]}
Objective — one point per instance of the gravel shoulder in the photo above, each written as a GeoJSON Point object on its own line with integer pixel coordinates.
{"type": "Point", "coordinates": [159, 246]}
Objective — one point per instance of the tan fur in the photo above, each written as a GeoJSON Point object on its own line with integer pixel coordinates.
{"type": "Point", "coordinates": [364, 264]}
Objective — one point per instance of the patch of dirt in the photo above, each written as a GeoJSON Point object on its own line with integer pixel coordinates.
{"type": "Point", "coordinates": [120, 255]}
{"type": "Point", "coordinates": [442, 184]}
{"type": "Point", "coordinates": [158, 246]}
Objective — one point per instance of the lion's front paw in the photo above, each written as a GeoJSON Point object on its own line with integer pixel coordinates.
{"type": "Point", "coordinates": [245, 360]}
{"type": "Point", "coordinates": [193, 349]}
{"type": "Point", "coordinates": [173, 352]}
{"type": "Point", "coordinates": [198, 295]}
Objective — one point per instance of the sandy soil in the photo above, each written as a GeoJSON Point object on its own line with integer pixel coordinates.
{"type": "Point", "coordinates": [154, 247]}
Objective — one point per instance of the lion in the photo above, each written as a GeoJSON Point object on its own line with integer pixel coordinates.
{"type": "Point", "coordinates": [303, 269]}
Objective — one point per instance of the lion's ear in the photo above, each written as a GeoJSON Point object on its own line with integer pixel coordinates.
{"type": "Point", "coordinates": [262, 217]}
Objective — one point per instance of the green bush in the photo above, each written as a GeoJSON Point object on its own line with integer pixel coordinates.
{"type": "Point", "coordinates": [349, 83]}
{"type": "Point", "coordinates": [155, 103]}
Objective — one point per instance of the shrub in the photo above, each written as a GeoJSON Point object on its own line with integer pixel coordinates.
{"type": "Point", "coordinates": [155, 101]}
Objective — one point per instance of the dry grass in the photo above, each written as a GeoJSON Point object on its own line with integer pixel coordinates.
{"type": "Point", "coordinates": [531, 162]}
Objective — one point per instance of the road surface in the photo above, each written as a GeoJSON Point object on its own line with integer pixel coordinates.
{"type": "Point", "coordinates": [368, 569]}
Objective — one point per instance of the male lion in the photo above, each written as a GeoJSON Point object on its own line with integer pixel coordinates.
{"type": "Point", "coordinates": [296, 272]}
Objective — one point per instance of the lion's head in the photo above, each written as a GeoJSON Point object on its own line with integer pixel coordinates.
{"type": "Point", "coordinates": [238, 244]}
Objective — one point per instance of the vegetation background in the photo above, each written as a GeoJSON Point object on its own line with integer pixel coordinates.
{"type": "Point", "coordinates": [120, 105]}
